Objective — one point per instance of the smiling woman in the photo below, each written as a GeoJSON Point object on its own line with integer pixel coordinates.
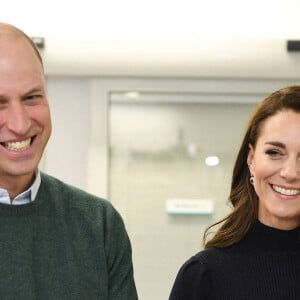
{"type": "Point", "coordinates": [274, 163]}
{"type": "Point", "coordinates": [254, 254]}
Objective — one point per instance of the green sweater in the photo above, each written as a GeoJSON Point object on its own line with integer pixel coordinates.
{"type": "Point", "coordinates": [67, 244]}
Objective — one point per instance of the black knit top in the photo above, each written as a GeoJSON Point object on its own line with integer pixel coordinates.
{"type": "Point", "coordinates": [264, 265]}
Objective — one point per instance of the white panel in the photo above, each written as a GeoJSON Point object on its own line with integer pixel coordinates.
{"type": "Point", "coordinates": [67, 150]}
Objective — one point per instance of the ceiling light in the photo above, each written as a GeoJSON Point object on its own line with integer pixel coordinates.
{"type": "Point", "coordinates": [212, 160]}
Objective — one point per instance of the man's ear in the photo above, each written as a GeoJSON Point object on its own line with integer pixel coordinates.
{"type": "Point", "coordinates": [250, 159]}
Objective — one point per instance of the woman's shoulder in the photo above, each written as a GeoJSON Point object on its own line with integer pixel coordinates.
{"type": "Point", "coordinates": [194, 279]}
{"type": "Point", "coordinates": [205, 260]}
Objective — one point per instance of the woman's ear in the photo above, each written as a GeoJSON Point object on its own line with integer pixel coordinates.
{"type": "Point", "coordinates": [250, 159]}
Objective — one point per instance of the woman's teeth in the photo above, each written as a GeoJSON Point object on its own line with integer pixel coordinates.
{"type": "Point", "coordinates": [18, 146]}
{"type": "Point", "coordinates": [287, 192]}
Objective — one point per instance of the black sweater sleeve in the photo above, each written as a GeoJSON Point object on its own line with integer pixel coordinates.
{"type": "Point", "coordinates": [193, 282]}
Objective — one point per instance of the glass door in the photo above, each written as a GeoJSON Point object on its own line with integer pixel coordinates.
{"type": "Point", "coordinates": [170, 148]}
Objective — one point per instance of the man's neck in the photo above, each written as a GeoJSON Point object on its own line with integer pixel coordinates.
{"type": "Point", "coordinates": [15, 185]}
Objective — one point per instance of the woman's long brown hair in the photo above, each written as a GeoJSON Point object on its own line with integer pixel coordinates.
{"type": "Point", "coordinates": [242, 196]}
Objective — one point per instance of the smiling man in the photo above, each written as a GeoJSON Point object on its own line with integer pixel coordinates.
{"type": "Point", "coordinates": [25, 124]}
{"type": "Point", "coordinates": [57, 242]}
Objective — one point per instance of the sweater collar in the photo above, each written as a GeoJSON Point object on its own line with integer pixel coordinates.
{"type": "Point", "coordinates": [265, 238]}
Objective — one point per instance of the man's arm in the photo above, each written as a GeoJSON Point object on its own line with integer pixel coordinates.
{"type": "Point", "coordinates": [119, 259]}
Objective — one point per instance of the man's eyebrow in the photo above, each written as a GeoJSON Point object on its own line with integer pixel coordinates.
{"type": "Point", "coordinates": [275, 143]}
{"type": "Point", "coordinates": [35, 89]}
{"type": "Point", "coordinates": [32, 90]}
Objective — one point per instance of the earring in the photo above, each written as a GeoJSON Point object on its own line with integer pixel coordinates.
{"type": "Point", "coordinates": [251, 179]}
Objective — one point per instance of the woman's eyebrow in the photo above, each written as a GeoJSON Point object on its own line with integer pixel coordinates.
{"type": "Point", "coordinates": [275, 143]}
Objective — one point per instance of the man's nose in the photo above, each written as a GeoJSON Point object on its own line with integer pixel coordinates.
{"type": "Point", "coordinates": [18, 120]}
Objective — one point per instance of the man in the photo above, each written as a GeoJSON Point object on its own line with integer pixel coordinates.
{"type": "Point", "coordinates": [57, 242]}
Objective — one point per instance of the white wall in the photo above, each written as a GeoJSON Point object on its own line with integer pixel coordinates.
{"type": "Point", "coordinates": [78, 153]}
{"type": "Point", "coordinates": [66, 153]}
{"type": "Point", "coordinates": [78, 149]}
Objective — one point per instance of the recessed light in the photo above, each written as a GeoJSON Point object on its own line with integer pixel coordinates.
{"type": "Point", "coordinates": [212, 161]}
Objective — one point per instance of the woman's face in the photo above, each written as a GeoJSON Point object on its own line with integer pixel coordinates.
{"type": "Point", "coordinates": [275, 166]}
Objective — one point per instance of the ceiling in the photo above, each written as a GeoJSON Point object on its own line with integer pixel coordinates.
{"type": "Point", "coordinates": [162, 37]}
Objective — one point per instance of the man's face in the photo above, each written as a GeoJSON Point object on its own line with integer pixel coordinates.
{"type": "Point", "coordinates": [25, 124]}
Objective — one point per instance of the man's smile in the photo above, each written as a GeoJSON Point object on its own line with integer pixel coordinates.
{"type": "Point", "coordinates": [18, 145]}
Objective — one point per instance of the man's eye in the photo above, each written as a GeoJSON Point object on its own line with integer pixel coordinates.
{"type": "Point", "coordinates": [33, 97]}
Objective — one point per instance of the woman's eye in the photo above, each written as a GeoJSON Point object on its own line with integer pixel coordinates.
{"type": "Point", "coordinates": [273, 152]}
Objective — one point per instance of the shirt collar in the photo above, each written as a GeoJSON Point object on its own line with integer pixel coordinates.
{"type": "Point", "coordinates": [25, 197]}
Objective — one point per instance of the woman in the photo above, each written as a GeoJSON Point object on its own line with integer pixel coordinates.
{"type": "Point", "coordinates": [255, 253]}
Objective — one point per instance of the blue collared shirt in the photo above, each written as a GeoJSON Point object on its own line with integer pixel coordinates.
{"type": "Point", "coordinates": [25, 197]}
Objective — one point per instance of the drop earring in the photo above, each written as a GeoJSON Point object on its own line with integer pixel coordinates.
{"type": "Point", "coordinates": [251, 179]}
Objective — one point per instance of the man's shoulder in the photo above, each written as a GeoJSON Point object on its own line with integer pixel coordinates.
{"type": "Point", "coordinates": [57, 190]}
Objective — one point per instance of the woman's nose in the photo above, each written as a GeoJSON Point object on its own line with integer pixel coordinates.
{"type": "Point", "coordinates": [291, 169]}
